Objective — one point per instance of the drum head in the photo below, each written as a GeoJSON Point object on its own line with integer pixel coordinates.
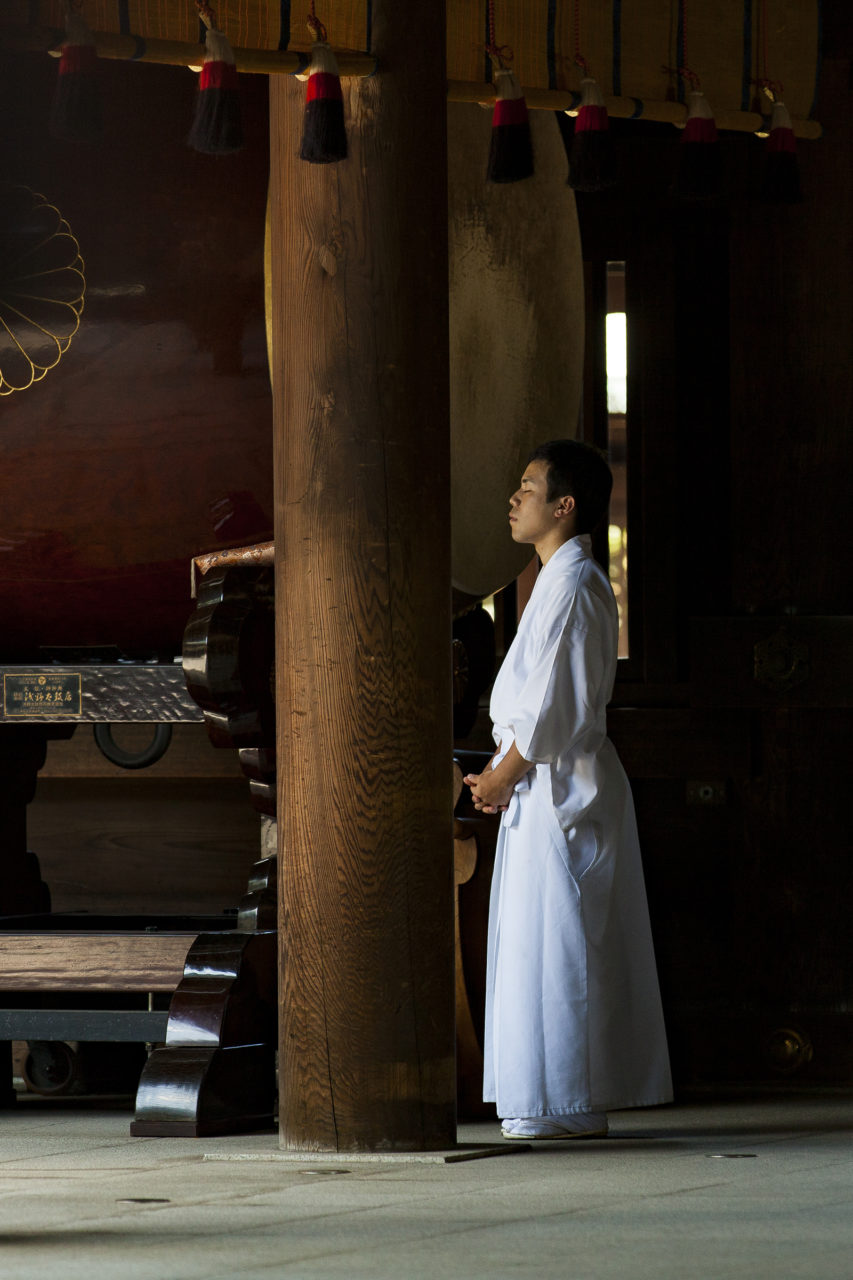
{"type": "Point", "coordinates": [516, 336]}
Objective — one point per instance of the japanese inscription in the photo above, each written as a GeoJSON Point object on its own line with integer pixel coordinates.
{"type": "Point", "coordinates": [42, 693]}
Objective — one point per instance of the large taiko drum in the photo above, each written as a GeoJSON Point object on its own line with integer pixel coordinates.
{"type": "Point", "coordinates": [141, 437]}
{"type": "Point", "coordinates": [516, 337]}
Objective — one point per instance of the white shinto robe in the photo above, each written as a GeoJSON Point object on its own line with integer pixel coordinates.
{"type": "Point", "coordinates": [573, 1012]}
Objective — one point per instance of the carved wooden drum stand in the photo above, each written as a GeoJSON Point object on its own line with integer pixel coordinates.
{"type": "Point", "coordinates": [215, 1071]}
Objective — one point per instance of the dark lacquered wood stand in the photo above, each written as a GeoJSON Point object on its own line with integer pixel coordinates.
{"type": "Point", "coordinates": [47, 959]}
{"type": "Point", "coordinates": [215, 1069]}
{"type": "Point", "coordinates": [215, 1073]}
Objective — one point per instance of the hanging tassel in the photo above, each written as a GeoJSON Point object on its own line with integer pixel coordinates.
{"type": "Point", "coordinates": [781, 179]}
{"type": "Point", "coordinates": [75, 114]}
{"type": "Point", "coordinates": [592, 163]}
{"type": "Point", "coordinates": [699, 174]}
{"type": "Point", "coordinates": [324, 138]}
{"type": "Point", "coordinates": [217, 128]}
{"type": "Point", "coordinates": [511, 149]}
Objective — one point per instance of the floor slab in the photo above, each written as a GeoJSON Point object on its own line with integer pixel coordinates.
{"type": "Point", "coordinates": [707, 1189]}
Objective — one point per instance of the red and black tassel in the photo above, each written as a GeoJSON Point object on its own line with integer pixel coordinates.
{"type": "Point", "coordinates": [76, 114]}
{"type": "Point", "coordinates": [217, 128]}
{"type": "Point", "coordinates": [511, 149]}
{"type": "Point", "coordinates": [592, 162]}
{"type": "Point", "coordinates": [699, 174]}
{"type": "Point", "coordinates": [781, 178]}
{"type": "Point", "coordinates": [324, 138]}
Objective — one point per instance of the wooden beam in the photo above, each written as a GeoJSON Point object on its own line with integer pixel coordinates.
{"type": "Point", "coordinates": [362, 534]}
{"type": "Point", "coordinates": [352, 63]}
{"type": "Point", "coordinates": [78, 961]}
{"type": "Point", "coordinates": [180, 53]}
{"type": "Point", "coordinates": [621, 108]}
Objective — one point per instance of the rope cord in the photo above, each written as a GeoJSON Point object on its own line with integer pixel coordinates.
{"type": "Point", "coordinates": [206, 14]}
{"type": "Point", "coordinates": [316, 28]}
{"type": "Point", "coordinates": [499, 53]}
{"type": "Point", "coordinates": [772, 88]}
{"type": "Point", "coordinates": [580, 60]}
{"type": "Point", "coordinates": [685, 70]}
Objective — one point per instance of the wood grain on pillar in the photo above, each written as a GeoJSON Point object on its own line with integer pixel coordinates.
{"type": "Point", "coordinates": [360, 375]}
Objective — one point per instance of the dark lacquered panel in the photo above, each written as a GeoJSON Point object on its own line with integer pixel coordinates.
{"type": "Point", "coordinates": [149, 442]}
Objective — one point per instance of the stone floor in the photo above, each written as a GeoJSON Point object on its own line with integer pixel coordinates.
{"type": "Point", "coordinates": [710, 1189]}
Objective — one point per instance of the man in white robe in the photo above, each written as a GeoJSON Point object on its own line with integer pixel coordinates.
{"type": "Point", "coordinates": [574, 1026]}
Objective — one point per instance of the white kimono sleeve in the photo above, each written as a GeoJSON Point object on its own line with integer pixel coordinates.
{"type": "Point", "coordinates": [562, 699]}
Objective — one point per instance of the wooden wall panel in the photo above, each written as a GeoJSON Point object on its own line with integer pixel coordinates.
{"type": "Point", "coordinates": [115, 845]}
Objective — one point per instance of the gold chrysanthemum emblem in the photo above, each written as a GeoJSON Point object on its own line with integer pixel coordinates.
{"type": "Point", "coordinates": [42, 287]}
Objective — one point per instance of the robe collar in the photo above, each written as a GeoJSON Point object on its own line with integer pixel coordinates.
{"type": "Point", "coordinates": [577, 548]}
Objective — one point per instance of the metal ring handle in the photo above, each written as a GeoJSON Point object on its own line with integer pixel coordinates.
{"type": "Point", "coordinates": [133, 759]}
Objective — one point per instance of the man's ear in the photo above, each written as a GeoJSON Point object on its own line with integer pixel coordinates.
{"type": "Point", "coordinates": [565, 506]}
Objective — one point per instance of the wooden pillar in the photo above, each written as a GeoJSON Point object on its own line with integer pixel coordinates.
{"type": "Point", "coordinates": [360, 374]}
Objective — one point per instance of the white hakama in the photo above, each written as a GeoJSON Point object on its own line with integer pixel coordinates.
{"type": "Point", "coordinates": [573, 1013]}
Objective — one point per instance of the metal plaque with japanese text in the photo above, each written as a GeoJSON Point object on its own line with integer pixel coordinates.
{"type": "Point", "coordinates": [42, 693]}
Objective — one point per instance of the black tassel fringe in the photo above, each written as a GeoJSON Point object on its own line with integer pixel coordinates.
{"type": "Point", "coordinates": [510, 153]}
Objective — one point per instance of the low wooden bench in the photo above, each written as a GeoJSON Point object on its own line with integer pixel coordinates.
{"type": "Point", "coordinates": [217, 1035]}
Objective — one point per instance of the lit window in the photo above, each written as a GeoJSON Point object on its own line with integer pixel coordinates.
{"type": "Point", "coordinates": [616, 337]}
